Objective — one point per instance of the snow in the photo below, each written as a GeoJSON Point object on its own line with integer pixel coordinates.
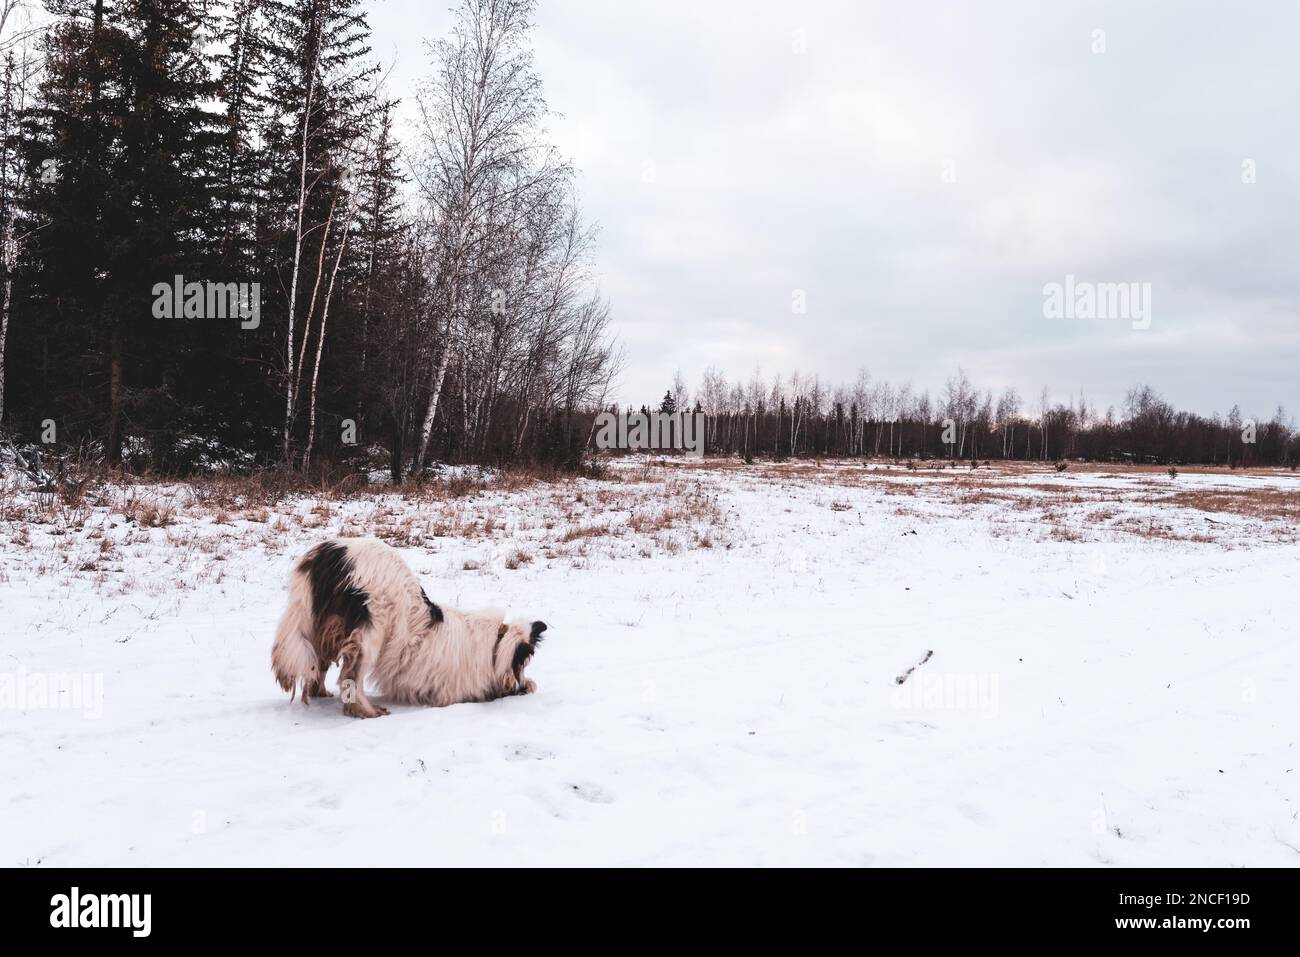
{"type": "Point", "coordinates": [717, 686]}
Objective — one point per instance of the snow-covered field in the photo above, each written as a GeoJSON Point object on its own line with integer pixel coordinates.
{"type": "Point", "coordinates": [1113, 678]}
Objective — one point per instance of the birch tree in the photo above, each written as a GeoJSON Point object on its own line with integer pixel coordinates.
{"type": "Point", "coordinates": [480, 120]}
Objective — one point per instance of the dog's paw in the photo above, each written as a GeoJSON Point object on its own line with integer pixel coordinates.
{"type": "Point", "coordinates": [529, 687]}
{"type": "Point", "coordinates": [355, 709]}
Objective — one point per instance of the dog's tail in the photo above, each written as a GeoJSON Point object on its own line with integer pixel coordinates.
{"type": "Point", "coordinates": [293, 656]}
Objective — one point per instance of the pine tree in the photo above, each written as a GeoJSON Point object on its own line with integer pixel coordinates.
{"type": "Point", "coordinates": [382, 229]}
{"type": "Point", "coordinates": [18, 70]}
{"type": "Point", "coordinates": [241, 68]}
{"type": "Point", "coordinates": [121, 122]}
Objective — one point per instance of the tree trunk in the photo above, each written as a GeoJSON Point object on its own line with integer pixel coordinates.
{"type": "Point", "coordinates": [320, 339]}
{"type": "Point", "coordinates": [114, 449]}
{"type": "Point", "coordinates": [4, 334]}
{"type": "Point", "coordinates": [440, 369]}
{"type": "Point", "coordinates": [315, 292]}
{"type": "Point", "coordinates": [397, 457]}
{"type": "Point", "coordinates": [297, 261]}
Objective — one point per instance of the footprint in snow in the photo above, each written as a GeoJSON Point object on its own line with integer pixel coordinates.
{"type": "Point", "coordinates": [526, 752]}
{"type": "Point", "coordinates": [591, 793]}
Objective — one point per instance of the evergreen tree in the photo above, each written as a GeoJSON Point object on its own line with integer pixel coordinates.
{"type": "Point", "coordinates": [121, 121]}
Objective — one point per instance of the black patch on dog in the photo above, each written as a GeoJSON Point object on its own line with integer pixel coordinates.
{"type": "Point", "coordinates": [435, 613]}
{"type": "Point", "coordinates": [523, 651]}
{"type": "Point", "coordinates": [332, 593]}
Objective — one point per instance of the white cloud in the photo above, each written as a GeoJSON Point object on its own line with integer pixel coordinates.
{"type": "Point", "coordinates": [823, 171]}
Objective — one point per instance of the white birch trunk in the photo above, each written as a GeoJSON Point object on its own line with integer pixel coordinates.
{"type": "Point", "coordinates": [297, 261]}
{"type": "Point", "coordinates": [320, 340]}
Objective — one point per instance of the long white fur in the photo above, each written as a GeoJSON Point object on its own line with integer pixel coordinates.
{"type": "Point", "coordinates": [408, 657]}
{"type": "Point", "coordinates": [293, 658]}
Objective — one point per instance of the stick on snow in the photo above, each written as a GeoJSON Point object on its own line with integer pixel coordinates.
{"type": "Point", "coordinates": [908, 673]}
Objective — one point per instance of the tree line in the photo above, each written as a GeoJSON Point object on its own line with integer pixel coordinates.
{"type": "Point", "coordinates": [800, 415]}
{"type": "Point", "coordinates": [425, 292]}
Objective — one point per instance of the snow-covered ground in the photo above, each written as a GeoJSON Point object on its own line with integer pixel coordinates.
{"type": "Point", "coordinates": [1112, 681]}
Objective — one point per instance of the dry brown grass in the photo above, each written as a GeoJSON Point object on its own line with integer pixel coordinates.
{"type": "Point", "coordinates": [838, 471]}
{"type": "Point", "coordinates": [599, 530]}
{"type": "Point", "coordinates": [95, 527]}
{"type": "Point", "coordinates": [1153, 528]}
{"type": "Point", "coordinates": [1265, 503]}
{"type": "Point", "coordinates": [517, 559]}
{"type": "Point", "coordinates": [543, 516]}
{"type": "Point", "coordinates": [1077, 504]}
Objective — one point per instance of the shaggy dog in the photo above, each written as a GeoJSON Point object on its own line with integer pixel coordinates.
{"type": "Point", "coordinates": [355, 599]}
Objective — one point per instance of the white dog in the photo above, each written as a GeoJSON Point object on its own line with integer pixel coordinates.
{"type": "Point", "coordinates": [355, 599]}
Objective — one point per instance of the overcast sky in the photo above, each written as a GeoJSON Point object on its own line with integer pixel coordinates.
{"type": "Point", "coordinates": [831, 171]}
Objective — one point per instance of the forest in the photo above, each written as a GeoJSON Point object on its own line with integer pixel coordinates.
{"type": "Point", "coordinates": [435, 301]}
{"type": "Point", "coordinates": [801, 416]}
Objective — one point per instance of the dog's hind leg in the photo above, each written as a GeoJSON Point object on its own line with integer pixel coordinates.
{"type": "Point", "coordinates": [360, 651]}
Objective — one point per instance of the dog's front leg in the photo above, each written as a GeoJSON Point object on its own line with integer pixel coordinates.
{"type": "Point", "coordinates": [511, 687]}
{"type": "Point", "coordinates": [315, 686]}
{"type": "Point", "coordinates": [357, 659]}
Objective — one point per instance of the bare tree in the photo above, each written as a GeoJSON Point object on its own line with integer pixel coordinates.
{"type": "Point", "coordinates": [480, 129]}
{"type": "Point", "coordinates": [356, 157]}
{"type": "Point", "coordinates": [1044, 408]}
{"type": "Point", "coordinates": [1007, 411]}
{"type": "Point", "coordinates": [681, 395]}
{"type": "Point", "coordinates": [311, 54]}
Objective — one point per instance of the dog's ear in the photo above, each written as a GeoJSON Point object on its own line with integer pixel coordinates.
{"type": "Point", "coordinates": [538, 628]}
{"type": "Point", "coordinates": [501, 632]}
